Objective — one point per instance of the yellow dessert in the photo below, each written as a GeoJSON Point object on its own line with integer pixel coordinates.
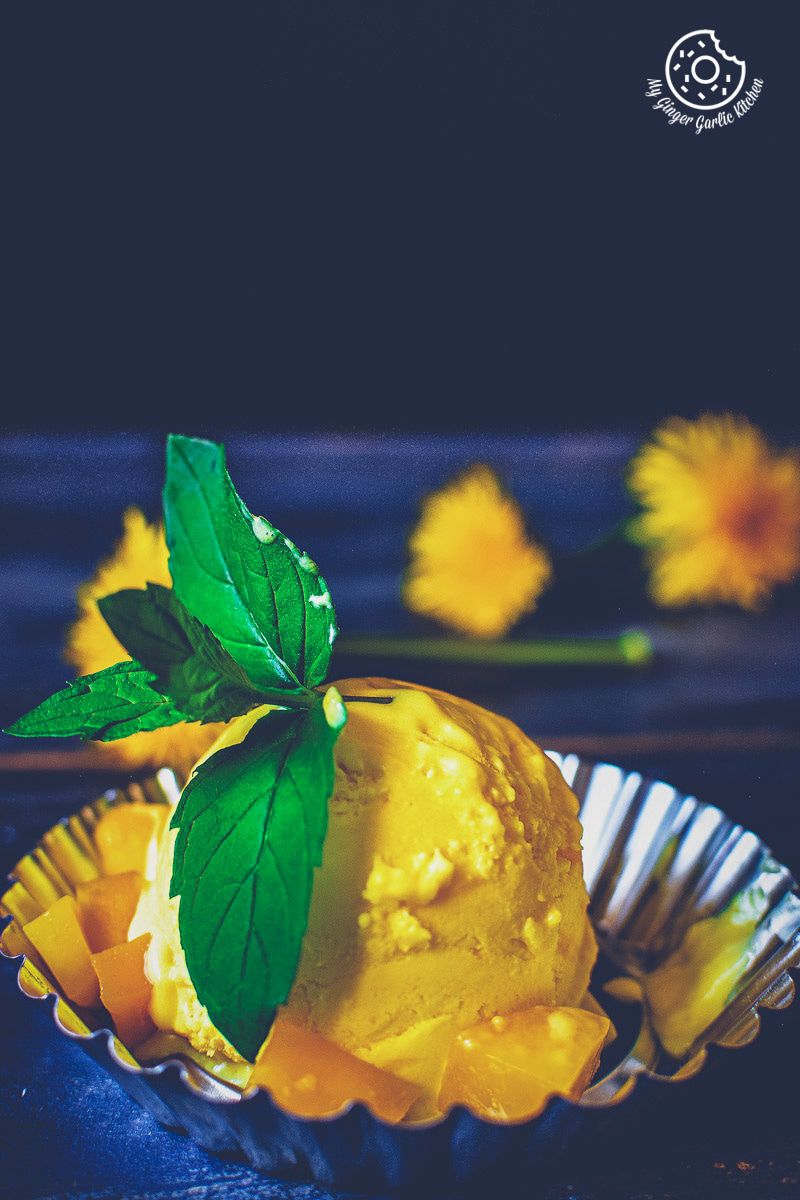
{"type": "Point", "coordinates": [371, 888]}
{"type": "Point", "coordinates": [450, 891]}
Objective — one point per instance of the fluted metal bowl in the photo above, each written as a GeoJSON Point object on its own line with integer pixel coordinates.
{"type": "Point", "coordinates": [655, 861]}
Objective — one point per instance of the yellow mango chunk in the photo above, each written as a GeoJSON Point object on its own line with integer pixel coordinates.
{"type": "Point", "coordinates": [690, 989]}
{"type": "Point", "coordinates": [507, 1067]}
{"type": "Point", "coordinates": [125, 989]}
{"type": "Point", "coordinates": [312, 1077]}
{"type": "Point", "coordinates": [126, 837]}
{"type": "Point", "coordinates": [106, 907]}
{"type": "Point", "coordinates": [58, 937]}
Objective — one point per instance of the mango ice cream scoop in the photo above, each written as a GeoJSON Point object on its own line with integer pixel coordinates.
{"type": "Point", "coordinates": [451, 887]}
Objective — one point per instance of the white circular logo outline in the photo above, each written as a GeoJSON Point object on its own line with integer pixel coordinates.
{"type": "Point", "coordinates": [728, 58]}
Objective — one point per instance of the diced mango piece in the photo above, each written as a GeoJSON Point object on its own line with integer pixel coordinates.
{"type": "Point", "coordinates": [106, 907]}
{"type": "Point", "coordinates": [58, 937]}
{"type": "Point", "coordinates": [125, 989]}
{"type": "Point", "coordinates": [312, 1077]}
{"type": "Point", "coordinates": [127, 835]}
{"type": "Point", "coordinates": [689, 990]}
{"type": "Point", "coordinates": [507, 1067]}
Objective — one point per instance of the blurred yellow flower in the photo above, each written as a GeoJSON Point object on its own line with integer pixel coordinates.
{"type": "Point", "coordinates": [140, 557]}
{"type": "Point", "coordinates": [472, 566]}
{"type": "Point", "coordinates": [721, 516]}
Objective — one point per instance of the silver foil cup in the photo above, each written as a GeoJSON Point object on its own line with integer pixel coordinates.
{"type": "Point", "coordinates": [655, 862]}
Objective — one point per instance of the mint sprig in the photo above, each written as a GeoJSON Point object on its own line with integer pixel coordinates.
{"type": "Point", "coordinates": [251, 824]}
{"type": "Point", "coordinates": [248, 622]}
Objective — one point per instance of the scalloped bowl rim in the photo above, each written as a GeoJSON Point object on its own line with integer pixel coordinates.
{"type": "Point", "coordinates": [225, 1094]}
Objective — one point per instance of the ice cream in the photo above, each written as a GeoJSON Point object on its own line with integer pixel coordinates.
{"type": "Point", "coordinates": [451, 887]}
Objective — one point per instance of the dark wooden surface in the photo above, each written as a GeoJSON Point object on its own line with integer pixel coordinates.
{"type": "Point", "coordinates": [716, 714]}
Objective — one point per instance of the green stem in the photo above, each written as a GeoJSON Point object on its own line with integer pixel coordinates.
{"type": "Point", "coordinates": [620, 532]}
{"type": "Point", "coordinates": [293, 698]}
{"type": "Point", "coordinates": [631, 649]}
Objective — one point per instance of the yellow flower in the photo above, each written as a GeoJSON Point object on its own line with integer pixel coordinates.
{"type": "Point", "coordinates": [139, 557]}
{"type": "Point", "coordinates": [473, 566]}
{"type": "Point", "coordinates": [721, 513]}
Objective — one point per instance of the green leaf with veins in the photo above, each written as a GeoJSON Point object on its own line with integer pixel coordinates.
{"type": "Point", "coordinates": [251, 824]}
{"type": "Point", "coordinates": [106, 706]}
{"type": "Point", "coordinates": [258, 594]}
{"type": "Point", "coordinates": [189, 663]}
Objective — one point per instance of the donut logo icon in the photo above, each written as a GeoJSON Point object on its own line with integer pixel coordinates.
{"type": "Point", "coordinates": [701, 74]}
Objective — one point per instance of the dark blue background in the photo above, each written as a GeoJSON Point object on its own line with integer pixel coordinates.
{"type": "Point", "coordinates": [391, 216]}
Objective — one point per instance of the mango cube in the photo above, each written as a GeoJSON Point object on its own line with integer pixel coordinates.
{"type": "Point", "coordinates": [127, 835]}
{"type": "Point", "coordinates": [106, 907]}
{"type": "Point", "coordinates": [312, 1077]}
{"type": "Point", "coordinates": [507, 1067]}
{"type": "Point", "coordinates": [125, 989]}
{"type": "Point", "coordinates": [58, 937]}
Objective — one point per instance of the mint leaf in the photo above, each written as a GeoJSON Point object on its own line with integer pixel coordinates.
{"type": "Point", "coordinates": [106, 706]}
{"type": "Point", "coordinates": [264, 600]}
{"type": "Point", "coordinates": [251, 823]}
{"type": "Point", "coordinates": [189, 664]}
